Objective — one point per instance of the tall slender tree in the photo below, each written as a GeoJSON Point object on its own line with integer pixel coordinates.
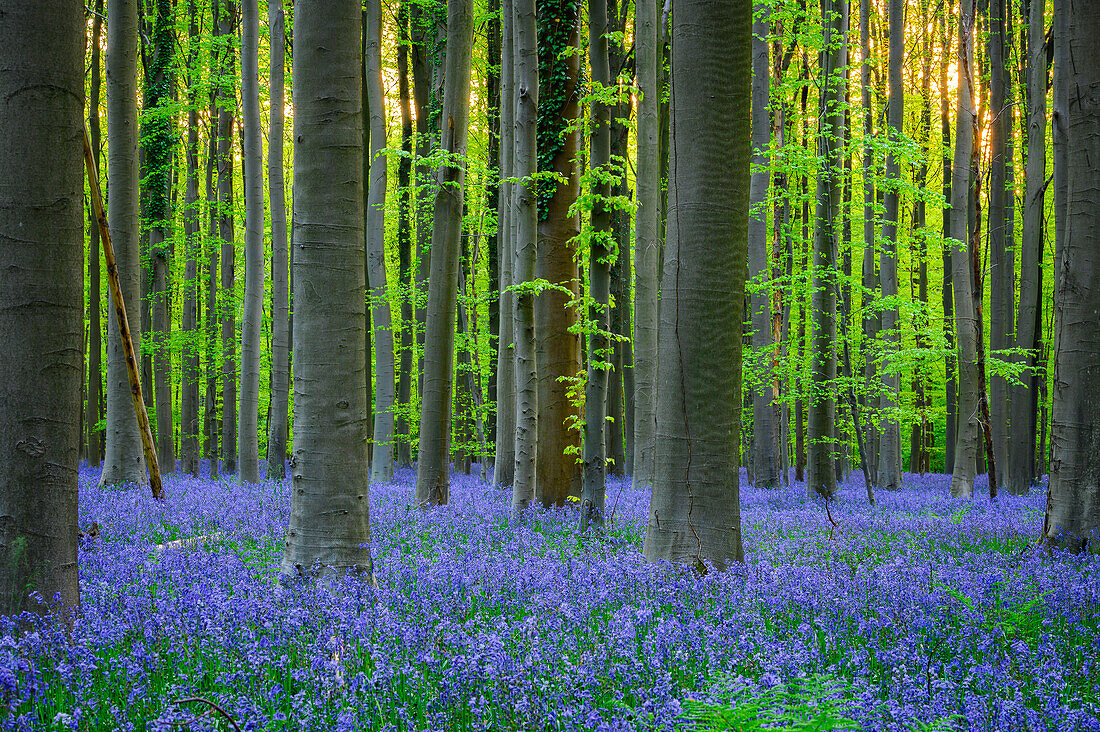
{"type": "Point", "coordinates": [601, 251]}
{"type": "Point", "coordinates": [889, 463]}
{"type": "Point", "coordinates": [947, 295]}
{"type": "Point", "coordinates": [968, 431]}
{"type": "Point", "coordinates": [1073, 502]}
{"type": "Point", "coordinates": [189, 388]}
{"type": "Point", "coordinates": [94, 411]}
{"type": "Point", "coordinates": [329, 509]}
{"type": "Point", "coordinates": [124, 461]}
{"type": "Point", "coordinates": [248, 440]}
{"type": "Point", "coordinates": [280, 296]}
{"type": "Point", "coordinates": [647, 241]}
{"type": "Point", "coordinates": [382, 456]}
{"type": "Point", "coordinates": [694, 514]}
{"type": "Point", "coordinates": [525, 216]}
{"type": "Point", "coordinates": [432, 477]}
{"type": "Point", "coordinates": [402, 431]}
{"type": "Point", "coordinates": [227, 307]}
{"type": "Point", "coordinates": [765, 427]}
{"type": "Point", "coordinates": [41, 285]}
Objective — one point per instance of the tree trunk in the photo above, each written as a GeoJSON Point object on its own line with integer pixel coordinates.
{"type": "Point", "coordinates": [505, 453]}
{"type": "Point", "coordinates": [647, 240]}
{"type": "Point", "coordinates": [966, 326]}
{"type": "Point", "coordinates": [889, 462]}
{"type": "Point", "coordinates": [492, 197]}
{"type": "Point", "coordinates": [329, 497]}
{"type": "Point", "coordinates": [601, 251]}
{"type": "Point", "coordinates": [1073, 504]}
{"type": "Point", "coordinates": [41, 241]}
{"type": "Point", "coordinates": [248, 441]}
{"type": "Point", "coordinates": [382, 457]}
{"type": "Point", "coordinates": [227, 307]}
{"type": "Point", "coordinates": [1022, 469]}
{"type": "Point", "coordinates": [124, 461]}
{"type": "Point", "coordinates": [694, 513]}
{"type": "Point", "coordinates": [871, 319]}
{"type": "Point", "coordinates": [94, 412]}
{"type": "Point", "coordinates": [190, 428]}
{"type": "Point", "coordinates": [950, 390]}
{"type": "Point", "coordinates": [280, 305]}
{"type": "Point", "coordinates": [557, 346]}
{"type": "Point", "coordinates": [765, 430]}
{"type": "Point", "coordinates": [1002, 260]}
{"type": "Point", "coordinates": [402, 431]}
{"type": "Point", "coordinates": [821, 420]}
{"type": "Point", "coordinates": [525, 212]}
{"type": "Point", "coordinates": [432, 477]}
{"type": "Point", "coordinates": [212, 323]}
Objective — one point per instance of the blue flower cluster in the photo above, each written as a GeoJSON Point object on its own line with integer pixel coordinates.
{"type": "Point", "coordinates": [921, 612]}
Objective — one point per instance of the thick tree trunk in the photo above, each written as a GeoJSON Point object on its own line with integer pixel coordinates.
{"type": "Point", "coordinates": [694, 513]}
{"type": "Point", "coordinates": [124, 461]}
{"type": "Point", "coordinates": [280, 266]}
{"type": "Point", "coordinates": [248, 440]}
{"type": "Point", "coordinates": [1022, 469]}
{"type": "Point", "coordinates": [382, 456]}
{"type": "Point", "coordinates": [432, 476]}
{"type": "Point", "coordinates": [600, 252]}
{"type": "Point", "coordinates": [821, 420]}
{"type": "Point", "coordinates": [1073, 505]}
{"type": "Point", "coordinates": [227, 306]}
{"type": "Point", "coordinates": [402, 431]}
{"type": "Point", "coordinates": [505, 453]}
{"type": "Point", "coordinates": [94, 411]}
{"type": "Point", "coordinates": [647, 240]}
{"type": "Point", "coordinates": [41, 242]}
{"type": "Point", "coordinates": [765, 429]}
{"type": "Point", "coordinates": [329, 517]}
{"type": "Point", "coordinates": [969, 436]}
{"type": "Point", "coordinates": [525, 214]}
{"type": "Point", "coordinates": [189, 388]}
{"type": "Point", "coordinates": [889, 462]}
{"type": "Point", "coordinates": [557, 346]}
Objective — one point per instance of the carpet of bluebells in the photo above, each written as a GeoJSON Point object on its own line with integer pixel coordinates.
{"type": "Point", "coordinates": [921, 613]}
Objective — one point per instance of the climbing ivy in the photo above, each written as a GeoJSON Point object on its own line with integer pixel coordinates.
{"type": "Point", "coordinates": [558, 87]}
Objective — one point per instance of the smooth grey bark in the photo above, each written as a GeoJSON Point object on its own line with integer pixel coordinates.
{"type": "Point", "coordinates": [821, 415]}
{"type": "Point", "coordinates": [382, 456]}
{"type": "Point", "coordinates": [525, 216]}
{"type": "Point", "coordinates": [402, 429]}
{"type": "Point", "coordinates": [647, 240]}
{"type": "Point", "coordinates": [212, 323]}
{"type": "Point", "coordinates": [432, 473]}
{"type": "Point", "coordinates": [600, 252]}
{"type": "Point", "coordinates": [947, 296]}
{"type": "Point", "coordinates": [1022, 468]}
{"type": "Point", "coordinates": [94, 410]}
{"type": "Point", "coordinates": [871, 320]}
{"type": "Point", "coordinates": [248, 417]}
{"type": "Point", "coordinates": [41, 286]}
{"type": "Point", "coordinates": [227, 307]}
{"type": "Point", "coordinates": [505, 452]}
{"type": "Point", "coordinates": [889, 462]}
{"type": "Point", "coordinates": [968, 437]}
{"type": "Point", "coordinates": [1073, 504]}
{"type": "Point", "coordinates": [765, 427]}
{"type": "Point", "coordinates": [695, 514]}
{"type": "Point", "coordinates": [124, 461]}
{"type": "Point", "coordinates": [329, 506]}
{"type": "Point", "coordinates": [280, 266]}
{"type": "Point", "coordinates": [190, 428]}
{"type": "Point", "coordinates": [1002, 256]}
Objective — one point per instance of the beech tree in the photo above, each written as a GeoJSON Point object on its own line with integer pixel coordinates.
{"type": "Point", "coordinates": [1073, 504]}
{"type": "Point", "coordinates": [124, 461]}
{"type": "Point", "coordinates": [329, 508]}
{"type": "Point", "coordinates": [432, 477]}
{"type": "Point", "coordinates": [280, 296]}
{"type": "Point", "coordinates": [189, 389]}
{"type": "Point", "coordinates": [41, 286]}
{"type": "Point", "coordinates": [694, 514]}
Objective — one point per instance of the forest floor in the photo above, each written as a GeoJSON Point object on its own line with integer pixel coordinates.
{"type": "Point", "coordinates": [921, 613]}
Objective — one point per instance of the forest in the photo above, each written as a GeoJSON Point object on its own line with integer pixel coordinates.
{"type": "Point", "coordinates": [536, 365]}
